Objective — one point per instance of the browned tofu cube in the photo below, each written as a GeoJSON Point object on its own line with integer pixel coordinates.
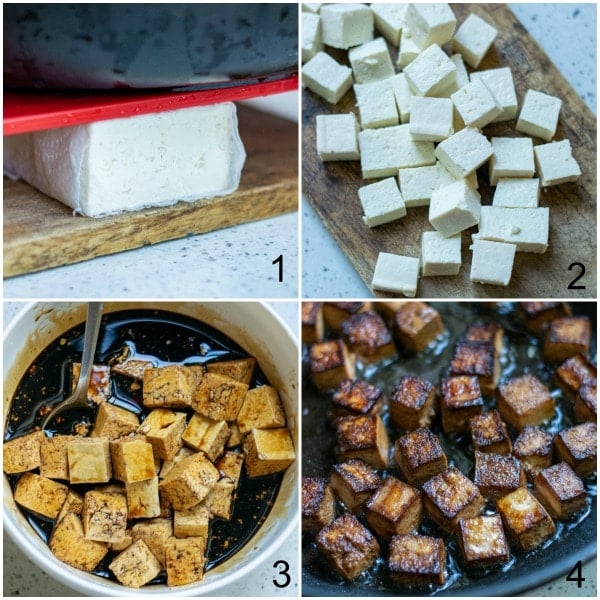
{"type": "Point", "coordinates": [163, 428]}
{"type": "Point", "coordinates": [104, 516]}
{"type": "Point", "coordinates": [534, 446]}
{"type": "Point", "coordinates": [125, 543]}
{"type": "Point", "coordinates": [419, 456]}
{"type": "Point", "coordinates": [524, 401]}
{"type": "Point", "coordinates": [230, 465]}
{"type": "Point", "coordinates": [219, 397]}
{"type": "Point", "coordinates": [489, 433]}
{"type": "Point", "coordinates": [192, 522]}
{"type": "Point", "coordinates": [497, 475]}
{"type": "Point", "coordinates": [573, 373]}
{"type": "Point", "coordinates": [482, 541]}
{"type": "Point", "coordinates": [262, 409]}
{"type": "Point", "coordinates": [313, 323]}
{"type": "Point", "coordinates": [348, 546]}
{"type": "Point", "coordinates": [368, 337]}
{"type": "Point", "coordinates": [154, 533]}
{"type": "Point", "coordinates": [99, 387]}
{"type": "Point", "coordinates": [489, 333]}
{"type": "Point", "coordinates": [167, 465]}
{"type": "Point", "coordinates": [23, 453]}
{"type": "Point", "coordinates": [185, 560]}
{"type": "Point", "coordinates": [40, 495]}
{"type": "Point", "coordinates": [356, 397]}
{"type": "Point", "coordinates": [417, 560]}
{"type": "Point", "coordinates": [413, 403]}
{"type": "Point", "coordinates": [54, 462]}
{"type": "Point", "coordinates": [577, 447]}
{"type": "Point", "coordinates": [132, 367]}
{"type": "Point", "coordinates": [451, 496]}
{"type": "Point", "coordinates": [202, 433]}
{"type": "Point", "coordinates": [73, 503]}
{"type": "Point", "coordinates": [364, 437]}
{"type": "Point", "coordinates": [335, 313]}
{"type": "Point", "coordinates": [143, 500]}
{"type": "Point", "coordinates": [387, 308]}
{"type": "Point", "coordinates": [460, 401]}
{"type": "Point", "coordinates": [132, 459]}
{"type": "Point", "coordinates": [219, 500]}
{"type": "Point", "coordinates": [538, 315]}
{"type": "Point", "coordinates": [567, 336]}
{"type": "Point", "coordinates": [560, 490]}
{"type": "Point", "coordinates": [394, 508]}
{"type": "Point", "coordinates": [136, 565]}
{"type": "Point", "coordinates": [416, 325]}
{"type": "Point", "coordinates": [113, 422]}
{"type": "Point", "coordinates": [525, 520]}
{"type": "Point", "coordinates": [354, 482]}
{"type": "Point", "coordinates": [240, 369]}
{"type": "Point", "coordinates": [479, 359]}
{"type": "Point", "coordinates": [89, 460]}
{"type": "Point", "coordinates": [330, 363]}
{"type": "Point", "coordinates": [235, 436]}
{"type": "Point", "coordinates": [585, 407]}
{"type": "Point", "coordinates": [318, 504]}
{"type": "Point", "coordinates": [171, 386]}
{"type": "Point", "coordinates": [268, 451]}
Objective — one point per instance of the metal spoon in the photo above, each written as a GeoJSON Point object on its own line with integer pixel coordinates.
{"type": "Point", "coordinates": [79, 398]}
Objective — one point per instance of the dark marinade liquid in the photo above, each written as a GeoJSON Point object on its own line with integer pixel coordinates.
{"type": "Point", "coordinates": [165, 338]}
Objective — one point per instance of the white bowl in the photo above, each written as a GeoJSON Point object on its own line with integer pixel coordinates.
{"type": "Point", "coordinates": [256, 328]}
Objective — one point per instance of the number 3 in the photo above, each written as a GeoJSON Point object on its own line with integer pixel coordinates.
{"type": "Point", "coordinates": [285, 568]}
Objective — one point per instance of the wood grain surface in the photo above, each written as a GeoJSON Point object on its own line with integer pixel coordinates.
{"type": "Point", "coordinates": [40, 232]}
{"type": "Point", "coordinates": [331, 187]}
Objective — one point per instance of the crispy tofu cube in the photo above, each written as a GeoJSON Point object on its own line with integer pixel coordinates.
{"type": "Point", "coordinates": [132, 459]}
{"type": "Point", "coordinates": [23, 453]}
{"type": "Point", "coordinates": [99, 388]}
{"type": "Point", "coordinates": [219, 397]}
{"type": "Point", "coordinates": [219, 500]}
{"type": "Point", "coordinates": [585, 407]}
{"type": "Point", "coordinates": [460, 401]}
{"type": "Point", "coordinates": [330, 363]}
{"type": "Point", "coordinates": [489, 433]}
{"type": "Point", "coordinates": [525, 520]}
{"type": "Point", "coordinates": [567, 336]}
{"type": "Point", "coordinates": [54, 462]}
{"type": "Point", "coordinates": [163, 429]}
{"type": "Point", "coordinates": [489, 333]}
{"type": "Point", "coordinates": [354, 482]}
{"type": "Point", "coordinates": [533, 447]}
{"type": "Point", "coordinates": [143, 500]}
{"type": "Point", "coordinates": [524, 401]}
{"type": "Point", "coordinates": [89, 460]}
{"type": "Point", "coordinates": [577, 447]}
{"type": "Point", "coordinates": [262, 409]}
{"type": "Point", "coordinates": [538, 315]}
{"type": "Point", "coordinates": [192, 522]}
{"type": "Point", "coordinates": [240, 369]}
{"type": "Point", "coordinates": [335, 313]}
{"type": "Point", "coordinates": [136, 565]}
{"type": "Point", "coordinates": [560, 490]}
{"type": "Point", "coordinates": [167, 465]}
{"type": "Point", "coordinates": [318, 504]}
{"type": "Point", "coordinates": [394, 508]}
{"type": "Point", "coordinates": [348, 546]}
{"type": "Point", "coordinates": [185, 560]}
{"type": "Point", "coordinates": [313, 323]}
{"type": "Point", "coordinates": [573, 373]}
{"type": "Point", "coordinates": [479, 359]}
{"type": "Point", "coordinates": [132, 367]}
{"type": "Point", "coordinates": [356, 397]}
{"type": "Point", "coordinates": [497, 475]}
{"type": "Point", "coordinates": [154, 533]}
{"type": "Point", "coordinates": [417, 560]}
{"type": "Point", "coordinates": [230, 465]}
{"type": "Point", "coordinates": [268, 451]}
{"type": "Point", "coordinates": [416, 325]}
{"type": "Point", "coordinates": [104, 516]}
{"type": "Point", "coordinates": [364, 437]}
{"type": "Point", "coordinates": [482, 541]}
{"type": "Point", "coordinates": [413, 403]}
{"type": "Point", "coordinates": [73, 503]}
{"type": "Point", "coordinates": [202, 433]}
{"type": "Point", "coordinates": [419, 456]}
{"type": "Point", "coordinates": [113, 421]}
{"type": "Point", "coordinates": [451, 496]}
{"type": "Point", "coordinates": [171, 386]}
{"type": "Point", "coordinates": [368, 337]}
{"type": "Point", "coordinates": [40, 495]}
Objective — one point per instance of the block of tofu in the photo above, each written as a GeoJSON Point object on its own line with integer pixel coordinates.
{"type": "Point", "coordinates": [235, 436]}
{"type": "Point", "coordinates": [538, 315]}
{"type": "Point", "coordinates": [385, 150]}
{"type": "Point", "coordinates": [482, 541]}
{"type": "Point", "coordinates": [326, 77]}
{"type": "Point", "coordinates": [460, 401]}
{"type": "Point", "coordinates": [143, 500]}
{"type": "Point", "coordinates": [89, 460]}
{"type": "Point", "coordinates": [318, 504]}
{"type": "Point", "coordinates": [219, 397]}
{"type": "Point", "coordinates": [413, 403]}
{"type": "Point", "coordinates": [489, 433]}
{"type": "Point", "coordinates": [396, 273]}
{"type": "Point", "coordinates": [122, 545]}
{"type": "Point", "coordinates": [525, 520]}
{"type": "Point", "coordinates": [230, 465]}
{"type": "Point", "coordinates": [99, 386]}
{"type": "Point", "coordinates": [371, 61]}
{"type": "Point", "coordinates": [192, 522]}
{"type": "Point", "coordinates": [389, 20]}
{"type": "Point", "coordinates": [356, 397]}
{"type": "Point", "coordinates": [202, 433]}
{"type": "Point", "coordinates": [560, 491]}
{"type": "Point", "coordinates": [479, 359]}
{"type": "Point", "coordinates": [219, 500]}
{"type": "Point", "coordinates": [430, 23]}
{"type": "Point", "coordinates": [489, 333]}
{"type": "Point", "coordinates": [492, 262]}
{"type": "Point", "coordinates": [330, 363]}
{"type": "Point", "coordinates": [201, 156]}
{"type": "Point", "coordinates": [500, 82]}
{"type": "Point", "coordinates": [104, 516]}
{"type": "Point", "coordinates": [567, 336]}
{"type": "Point", "coordinates": [440, 255]}
{"type": "Point", "coordinates": [185, 560]}
{"type": "Point", "coordinates": [402, 95]}
{"type": "Point", "coordinates": [516, 192]}
{"type": "Point", "coordinates": [574, 373]}
{"type": "Point", "coordinates": [368, 337]}
{"type": "Point", "coordinates": [113, 421]}
{"type": "Point", "coordinates": [335, 313]}
{"type": "Point", "coordinates": [462, 75]}
{"type": "Point", "coordinates": [555, 163]}
{"type": "Point", "coordinates": [419, 456]}
{"type": "Point", "coordinates": [416, 325]}
{"type": "Point", "coordinates": [476, 104]}
{"type": "Point", "coordinates": [23, 453]}
{"type": "Point", "coordinates": [171, 386]}
{"type": "Point", "coordinates": [417, 560]}
{"type": "Point", "coordinates": [348, 546]}
{"type": "Point", "coordinates": [354, 482]}
{"type": "Point", "coordinates": [131, 367]}
{"type": "Point", "coordinates": [168, 464]}
{"type": "Point", "coordinates": [513, 157]}
{"type": "Point", "coordinates": [363, 437]}
{"type": "Point", "coordinates": [262, 409]}
{"type": "Point", "coordinates": [533, 447]}
{"type": "Point", "coordinates": [430, 72]}
{"type": "Point", "coordinates": [464, 152]}
{"type": "Point", "coordinates": [40, 495]}
{"type": "Point", "coordinates": [408, 49]}
{"type": "Point", "coordinates": [346, 25]}
{"type": "Point", "coordinates": [337, 137]}
{"type": "Point", "coordinates": [454, 208]}
{"type": "Point", "coordinates": [539, 115]}
{"type": "Point", "coordinates": [240, 369]}
{"type": "Point", "coordinates": [417, 184]}
{"type": "Point", "coordinates": [577, 446]}
{"type": "Point", "coordinates": [473, 38]}
{"type": "Point", "coordinates": [313, 323]}
{"type": "Point", "coordinates": [132, 459]}
{"type": "Point", "coordinates": [69, 545]}
{"type": "Point", "coordinates": [381, 202]}
{"type": "Point", "coordinates": [431, 119]}
{"type": "Point", "coordinates": [163, 429]}
{"type": "Point", "coordinates": [268, 451]}
{"type": "Point", "coordinates": [585, 407]}
{"type": "Point", "coordinates": [497, 475]}
{"type": "Point", "coordinates": [310, 42]}
{"type": "Point", "coordinates": [136, 565]}
{"type": "Point", "coordinates": [154, 533]}
{"type": "Point", "coordinates": [73, 504]}
{"type": "Point", "coordinates": [524, 401]}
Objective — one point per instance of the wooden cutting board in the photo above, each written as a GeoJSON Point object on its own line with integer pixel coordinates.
{"type": "Point", "coordinates": [331, 187]}
{"type": "Point", "coordinates": [40, 232]}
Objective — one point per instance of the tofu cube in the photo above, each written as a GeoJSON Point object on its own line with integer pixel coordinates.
{"type": "Point", "coordinates": [337, 137]}
{"type": "Point", "coordinates": [262, 409]}
{"type": "Point", "coordinates": [477, 106]}
{"type": "Point", "coordinates": [454, 208]}
{"type": "Point", "coordinates": [560, 491]}
{"type": "Point", "coordinates": [489, 433]}
{"type": "Point", "coordinates": [363, 437]}
{"type": "Point", "coordinates": [381, 202]}
{"type": "Point", "coordinates": [230, 465]}
{"type": "Point", "coordinates": [136, 565]}
{"type": "Point", "coordinates": [207, 435]}
{"type": "Point", "coordinates": [219, 397]}
{"type": "Point", "coordinates": [313, 324]}
{"type": "Point", "coordinates": [131, 367]}
{"type": "Point", "coordinates": [577, 447]}
{"type": "Point", "coordinates": [311, 42]}
{"type": "Point", "coordinates": [154, 533]}
{"type": "Point", "coordinates": [143, 500]}
{"type": "Point", "coordinates": [513, 157]}
{"type": "Point", "coordinates": [125, 543]}
{"type": "Point", "coordinates": [89, 460]}
{"type": "Point", "coordinates": [417, 184]}
{"type": "Point", "coordinates": [538, 315]}
{"type": "Point", "coordinates": [219, 500]}
{"type": "Point", "coordinates": [335, 313]}
{"type": "Point", "coordinates": [40, 495]}
{"type": "Point", "coordinates": [104, 516]}
{"type": "Point", "coordinates": [73, 504]}
{"type": "Point", "coordinates": [573, 373]}
{"type": "Point", "coordinates": [113, 421]}
{"type": "Point", "coordinates": [330, 363]}
{"type": "Point", "coordinates": [371, 61]}
{"type": "Point", "coordinates": [346, 25]}
{"type": "Point", "coordinates": [555, 163]}
{"type": "Point", "coordinates": [354, 482]}
{"type": "Point", "coordinates": [326, 77]}
{"type": "Point", "coordinates": [368, 337]}
{"type": "Point", "coordinates": [23, 453]}
{"type": "Point", "coordinates": [533, 447]}
{"type": "Point", "coordinates": [163, 429]}
{"type": "Point", "coordinates": [416, 325]}
{"type": "Point", "coordinates": [318, 504]}
{"type": "Point", "coordinates": [586, 403]}
{"type": "Point", "coordinates": [99, 387]}
{"type": "Point", "coordinates": [479, 359]}
{"type": "Point", "coordinates": [53, 454]}
{"type": "Point", "coordinates": [192, 522]}
{"type": "Point", "coordinates": [431, 119]}
{"type": "Point", "coordinates": [524, 401]}
{"type": "Point", "coordinates": [464, 152]}
{"type": "Point", "coordinates": [517, 192]}
{"type": "Point", "coordinates": [185, 560]}
{"type": "Point", "coordinates": [171, 386]}
{"type": "Point", "coordinates": [567, 336]}
{"type": "Point", "coordinates": [268, 451]}
{"type": "Point", "coordinates": [500, 82]}
{"type": "Point", "coordinates": [460, 401]}
{"type": "Point", "coordinates": [356, 397]}
{"type": "Point", "coordinates": [497, 475]}
{"type": "Point", "coordinates": [430, 23]}
{"type": "Point", "coordinates": [397, 274]}
{"type": "Point", "coordinates": [440, 255]}
{"type": "Point", "coordinates": [489, 333]}
{"type": "Point", "coordinates": [419, 456]}
{"type": "Point", "coordinates": [167, 465]}
{"type": "Point", "coordinates": [408, 49]}
{"type": "Point", "coordinates": [132, 459]}
{"type": "Point", "coordinates": [492, 262]}
{"type": "Point", "coordinates": [389, 20]}
{"type": "Point", "coordinates": [417, 560]}
{"type": "Point", "coordinates": [431, 72]}
{"type": "Point", "coordinates": [402, 94]}
{"type": "Point", "coordinates": [539, 115]}
{"type": "Point", "coordinates": [413, 403]}
{"type": "Point", "coordinates": [240, 369]}
{"type": "Point", "coordinates": [473, 39]}
{"type": "Point", "coordinates": [482, 541]}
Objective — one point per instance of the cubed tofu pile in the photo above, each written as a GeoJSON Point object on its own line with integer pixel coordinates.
{"type": "Point", "coordinates": [144, 493]}
{"type": "Point", "coordinates": [421, 132]}
{"type": "Point", "coordinates": [398, 485]}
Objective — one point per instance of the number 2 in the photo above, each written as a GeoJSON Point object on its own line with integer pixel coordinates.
{"type": "Point", "coordinates": [572, 285]}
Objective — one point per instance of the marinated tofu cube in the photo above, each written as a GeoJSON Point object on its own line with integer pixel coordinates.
{"type": "Point", "coordinates": [132, 367]}
{"type": "Point", "coordinates": [356, 397]}
{"type": "Point", "coordinates": [185, 560]}
{"type": "Point", "coordinates": [262, 409]}
{"type": "Point", "coordinates": [202, 433]}
{"type": "Point", "coordinates": [533, 447]}
{"type": "Point", "coordinates": [482, 541]}
{"type": "Point", "coordinates": [364, 437]}
{"type": "Point", "coordinates": [335, 313]}
{"type": "Point", "coordinates": [89, 460]}
{"type": "Point", "coordinates": [132, 459]}
{"type": "Point", "coordinates": [235, 436]}
{"type": "Point", "coordinates": [490, 333]}
{"type": "Point", "coordinates": [354, 482]}
{"type": "Point", "coordinates": [524, 401]}
{"type": "Point", "coordinates": [230, 465]}
{"type": "Point", "coordinates": [104, 516]}
{"type": "Point", "coordinates": [419, 456]}
{"type": "Point", "coordinates": [154, 533]}
{"type": "Point", "coordinates": [417, 560]}
{"type": "Point", "coordinates": [330, 363]}
{"type": "Point", "coordinates": [451, 496]}
{"type": "Point", "coordinates": [143, 500]}
{"type": "Point", "coordinates": [348, 546]}
{"type": "Point", "coordinates": [219, 397]}
{"type": "Point", "coordinates": [394, 508]}
{"type": "Point", "coordinates": [538, 315]}
{"type": "Point", "coordinates": [318, 504]}
{"type": "Point", "coordinates": [113, 422]}
{"type": "Point", "coordinates": [460, 401]}
{"type": "Point", "coordinates": [167, 465]}
{"type": "Point", "coordinates": [489, 433]}
{"type": "Point", "coordinates": [136, 565]}
{"type": "Point", "coordinates": [560, 490]}
{"type": "Point", "coordinates": [268, 451]}
{"type": "Point", "coordinates": [219, 500]}
{"type": "Point", "coordinates": [577, 447]}
{"type": "Point", "coordinates": [23, 453]}
{"type": "Point", "coordinates": [368, 337]}
{"type": "Point", "coordinates": [240, 369]}
{"type": "Point", "coordinates": [479, 359]}
{"type": "Point", "coordinates": [413, 403]}
{"type": "Point", "coordinates": [192, 522]}
{"type": "Point", "coordinates": [171, 386]}
{"type": "Point", "coordinates": [497, 475]}
{"type": "Point", "coordinates": [163, 429]}
{"type": "Point", "coordinates": [99, 387]}
{"type": "Point", "coordinates": [573, 373]}
{"type": "Point", "coordinates": [40, 495]}
{"type": "Point", "coordinates": [585, 407]}
{"type": "Point", "coordinates": [416, 325]}
{"type": "Point", "coordinates": [525, 520]}
{"type": "Point", "coordinates": [567, 336]}
{"type": "Point", "coordinates": [73, 503]}
{"type": "Point", "coordinates": [54, 462]}
{"type": "Point", "coordinates": [313, 323]}
{"type": "Point", "coordinates": [123, 544]}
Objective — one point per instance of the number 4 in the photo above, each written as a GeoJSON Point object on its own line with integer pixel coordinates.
{"type": "Point", "coordinates": [579, 578]}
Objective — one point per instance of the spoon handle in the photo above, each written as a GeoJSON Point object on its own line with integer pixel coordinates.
{"type": "Point", "coordinates": [90, 339]}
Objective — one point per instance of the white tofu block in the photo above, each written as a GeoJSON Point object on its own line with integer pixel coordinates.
{"type": "Point", "coordinates": [464, 152]}
{"type": "Point", "coordinates": [517, 193]}
{"type": "Point", "coordinates": [337, 137]}
{"type": "Point", "coordinates": [539, 115]}
{"type": "Point", "coordinates": [417, 183]}
{"type": "Point", "coordinates": [376, 104]}
{"type": "Point", "coordinates": [431, 119]}
{"type": "Point", "coordinates": [555, 163]}
{"type": "Point", "coordinates": [454, 208]}
{"type": "Point", "coordinates": [371, 61]}
{"type": "Point", "coordinates": [408, 49]}
{"type": "Point", "coordinates": [445, 177]}
{"type": "Point", "coordinates": [476, 104]}
{"type": "Point", "coordinates": [462, 76]}
{"type": "Point", "coordinates": [346, 25]}
{"type": "Point", "coordinates": [500, 83]}
{"type": "Point", "coordinates": [440, 255]}
{"type": "Point", "coordinates": [430, 23]}
{"type": "Point", "coordinates": [383, 151]}
{"type": "Point", "coordinates": [389, 20]}
{"type": "Point", "coordinates": [492, 262]}
{"type": "Point", "coordinates": [311, 35]}
{"type": "Point", "coordinates": [513, 157]}
{"type": "Point", "coordinates": [327, 78]}
{"type": "Point", "coordinates": [430, 72]}
{"type": "Point", "coordinates": [473, 39]}
{"type": "Point", "coordinates": [381, 202]}
{"type": "Point", "coordinates": [397, 274]}
{"type": "Point", "coordinates": [403, 95]}
{"type": "Point", "coordinates": [311, 7]}
{"type": "Point", "coordinates": [132, 163]}
{"type": "Point", "coordinates": [527, 228]}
